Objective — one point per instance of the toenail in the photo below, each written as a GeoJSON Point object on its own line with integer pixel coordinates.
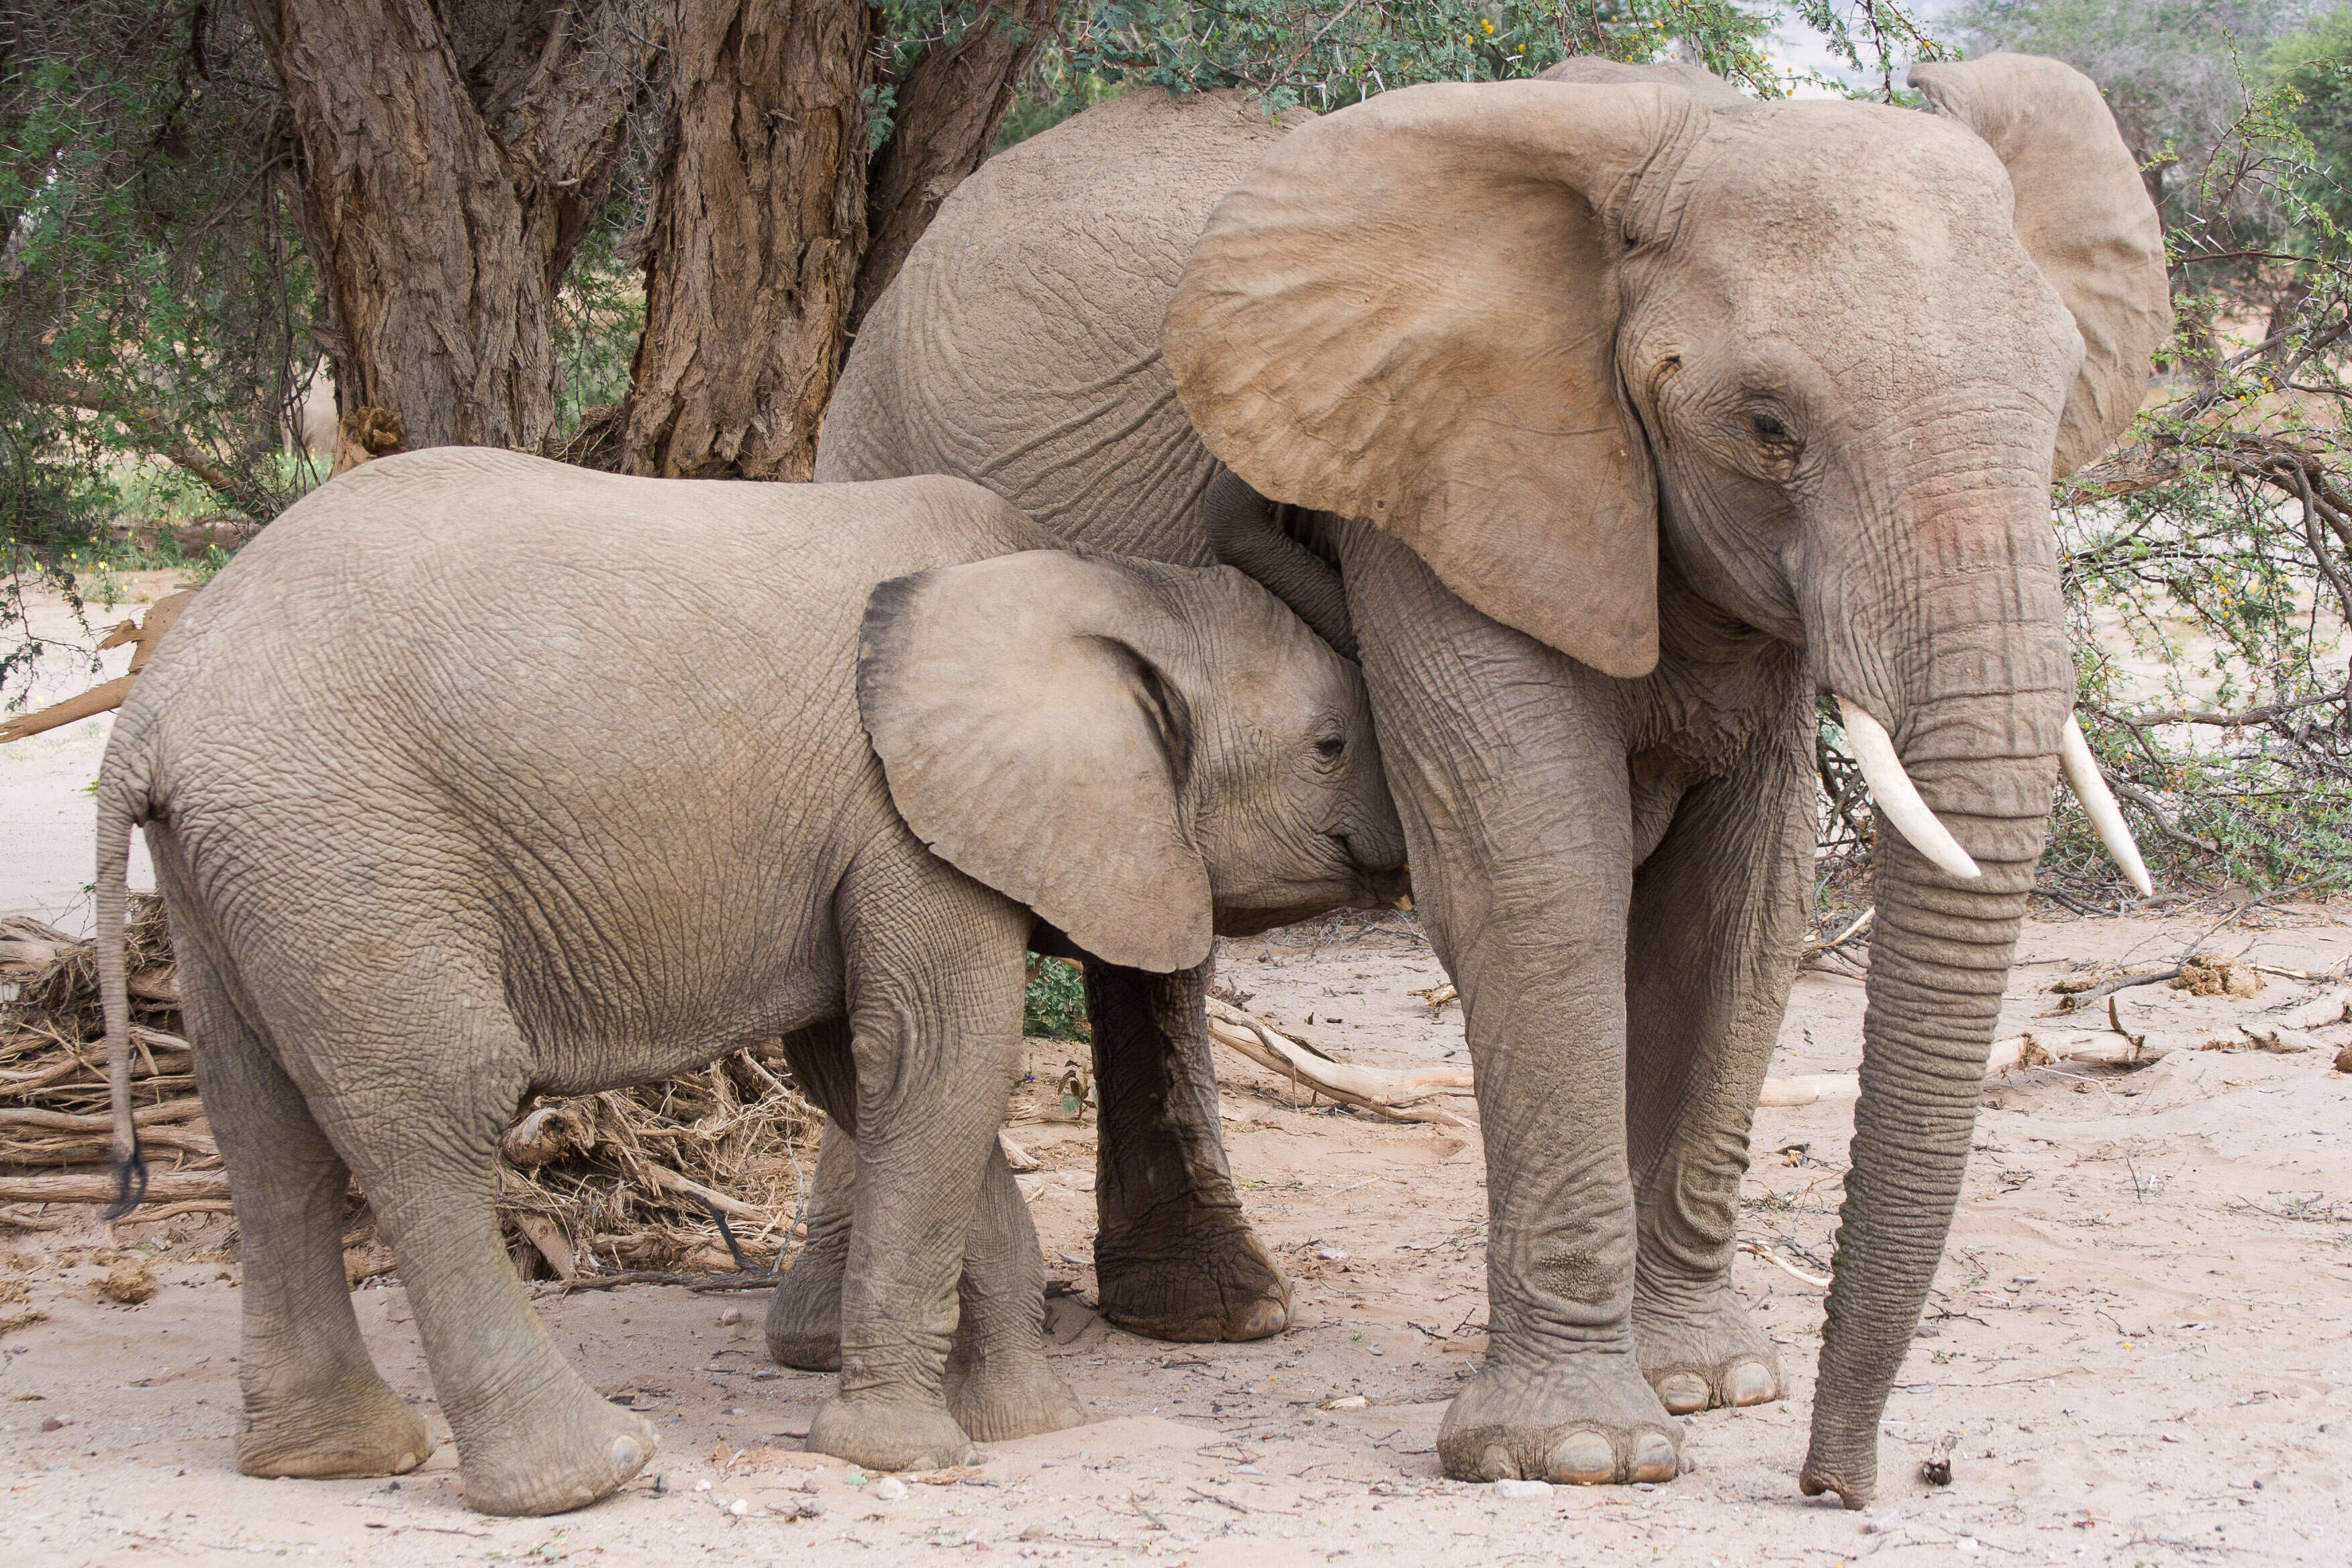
{"type": "Point", "coordinates": [1683, 1393]}
{"type": "Point", "coordinates": [1584, 1459]}
{"type": "Point", "coordinates": [1751, 1385]}
{"type": "Point", "coordinates": [1495, 1465]}
{"type": "Point", "coordinates": [626, 1454]}
{"type": "Point", "coordinates": [1653, 1459]}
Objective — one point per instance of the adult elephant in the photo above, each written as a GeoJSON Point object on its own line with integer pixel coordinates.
{"type": "Point", "coordinates": [1655, 408]}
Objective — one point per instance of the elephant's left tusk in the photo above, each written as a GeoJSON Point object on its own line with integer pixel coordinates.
{"type": "Point", "coordinates": [1898, 797]}
{"type": "Point", "coordinates": [2082, 771]}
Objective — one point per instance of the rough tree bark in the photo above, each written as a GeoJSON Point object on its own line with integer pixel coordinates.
{"type": "Point", "coordinates": [450, 158]}
{"type": "Point", "coordinates": [761, 251]}
{"type": "Point", "coordinates": [949, 107]}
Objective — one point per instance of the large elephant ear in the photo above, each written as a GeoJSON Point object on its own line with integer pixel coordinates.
{"type": "Point", "coordinates": [1032, 734]}
{"type": "Point", "coordinates": [1407, 314]}
{"type": "Point", "coordinates": [2084, 216]}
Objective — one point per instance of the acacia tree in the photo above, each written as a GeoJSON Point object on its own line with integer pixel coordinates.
{"type": "Point", "coordinates": [805, 145]}
{"type": "Point", "coordinates": [450, 157]}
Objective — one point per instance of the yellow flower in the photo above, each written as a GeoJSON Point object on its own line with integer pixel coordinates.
{"type": "Point", "coordinates": [1489, 26]}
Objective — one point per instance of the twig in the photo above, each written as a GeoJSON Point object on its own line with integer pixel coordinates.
{"type": "Point", "coordinates": [1776, 1261]}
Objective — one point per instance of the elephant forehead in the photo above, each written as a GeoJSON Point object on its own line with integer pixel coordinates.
{"type": "Point", "coordinates": [1837, 187]}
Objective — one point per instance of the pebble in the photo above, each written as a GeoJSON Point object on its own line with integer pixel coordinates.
{"type": "Point", "coordinates": [1881, 1522]}
{"type": "Point", "coordinates": [703, 1485]}
{"type": "Point", "coordinates": [1510, 1488]}
{"type": "Point", "coordinates": [890, 1489]}
{"type": "Point", "coordinates": [740, 1507]}
{"type": "Point", "coordinates": [731, 1316]}
{"type": "Point", "coordinates": [1331, 1253]}
{"type": "Point", "coordinates": [51, 1423]}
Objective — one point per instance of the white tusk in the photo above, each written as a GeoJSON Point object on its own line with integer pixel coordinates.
{"type": "Point", "coordinates": [2099, 804]}
{"type": "Point", "coordinates": [1898, 797]}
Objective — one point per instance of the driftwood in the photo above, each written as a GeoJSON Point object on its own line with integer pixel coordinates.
{"type": "Point", "coordinates": [2107, 1045]}
{"type": "Point", "coordinates": [110, 695]}
{"type": "Point", "coordinates": [1391, 1094]}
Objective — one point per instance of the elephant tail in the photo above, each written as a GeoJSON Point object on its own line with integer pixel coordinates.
{"type": "Point", "coordinates": [116, 809]}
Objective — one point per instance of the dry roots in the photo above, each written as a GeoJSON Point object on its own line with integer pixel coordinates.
{"type": "Point", "coordinates": [629, 1179]}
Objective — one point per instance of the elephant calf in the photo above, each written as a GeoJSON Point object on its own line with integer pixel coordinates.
{"type": "Point", "coordinates": [477, 776]}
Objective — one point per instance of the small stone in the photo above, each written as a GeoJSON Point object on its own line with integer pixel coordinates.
{"type": "Point", "coordinates": [890, 1489]}
{"type": "Point", "coordinates": [1965, 1545]}
{"type": "Point", "coordinates": [731, 1317]}
{"type": "Point", "coordinates": [1346, 1402]}
{"type": "Point", "coordinates": [740, 1507]}
{"type": "Point", "coordinates": [703, 1485]}
{"type": "Point", "coordinates": [661, 1486]}
{"type": "Point", "coordinates": [1247, 1470]}
{"type": "Point", "coordinates": [51, 1423]}
{"type": "Point", "coordinates": [1881, 1521]}
{"type": "Point", "coordinates": [1938, 1471]}
{"type": "Point", "coordinates": [1512, 1489]}
{"type": "Point", "coordinates": [129, 1281]}
{"type": "Point", "coordinates": [2344, 1059]}
{"type": "Point", "coordinates": [1330, 1254]}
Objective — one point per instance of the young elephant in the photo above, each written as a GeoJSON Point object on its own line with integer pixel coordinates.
{"type": "Point", "coordinates": [477, 776]}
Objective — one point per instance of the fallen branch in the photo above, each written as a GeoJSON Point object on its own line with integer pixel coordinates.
{"type": "Point", "coordinates": [2109, 1046]}
{"type": "Point", "coordinates": [1394, 1095]}
{"type": "Point", "coordinates": [1861, 923]}
{"type": "Point", "coordinates": [1783, 1265]}
{"type": "Point", "coordinates": [166, 1186]}
{"type": "Point", "coordinates": [663, 1176]}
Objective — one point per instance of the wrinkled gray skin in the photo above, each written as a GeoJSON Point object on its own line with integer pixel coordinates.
{"type": "Point", "coordinates": [477, 776]}
{"type": "Point", "coordinates": [1665, 408]}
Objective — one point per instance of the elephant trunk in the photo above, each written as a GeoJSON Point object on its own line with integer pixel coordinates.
{"type": "Point", "coordinates": [1984, 689]}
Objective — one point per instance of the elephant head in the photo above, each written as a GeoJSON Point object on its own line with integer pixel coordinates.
{"type": "Point", "coordinates": [1827, 356]}
{"type": "Point", "coordinates": [1144, 755]}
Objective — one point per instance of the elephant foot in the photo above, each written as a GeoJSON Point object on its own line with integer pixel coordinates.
{"type": "Point", "coordinates": [529, 1458]}
{"type": "Point", "coordinates": [1704, 1354]}
{"type": "Point", "coordinates": [1189, 1274]}
{"type": "Point", "coordinates": [356, 1427]}
{"type": "Point", "coordinates": [804, 1314]}
{"type": "Point", "coordinates": [885, 1434]}
{"type": "Point", "coordinates": [996, 1402]}
{"type": "Point", "coordinates": [1586, 1420]}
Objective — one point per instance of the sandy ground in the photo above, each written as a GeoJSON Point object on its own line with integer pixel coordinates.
{"type": "Point", "coordinates": [2135, 1353]}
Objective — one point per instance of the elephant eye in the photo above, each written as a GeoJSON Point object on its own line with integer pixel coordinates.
{"type": "Point", "coordinates": [1329, 747]}
{"type": "Point", "coordinates": [1768, 427]}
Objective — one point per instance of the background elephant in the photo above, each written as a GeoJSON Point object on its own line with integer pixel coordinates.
{"type": "Point", "coordinates": [675, 775]}
{"type": "Point", "coordinates": [1658, 409]}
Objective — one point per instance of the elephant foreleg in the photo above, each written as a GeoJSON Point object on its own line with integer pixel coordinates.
{"type": "Point", "coordinates": [1718, 920]}
{"type": "Point", "coordinates": [1508, 766]}
{"type": "Point", "coordinates": [1173, 1256]}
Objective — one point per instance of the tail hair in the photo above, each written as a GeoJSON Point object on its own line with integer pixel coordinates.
{"type": "Point", "coordinates": [130, 1164]}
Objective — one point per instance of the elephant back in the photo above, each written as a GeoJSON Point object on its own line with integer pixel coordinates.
{"type": "Point", "coordinates": [1019, 346]}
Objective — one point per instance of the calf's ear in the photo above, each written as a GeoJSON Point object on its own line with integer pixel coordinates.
{"type": "Point", "coordinates": [1033, 735]}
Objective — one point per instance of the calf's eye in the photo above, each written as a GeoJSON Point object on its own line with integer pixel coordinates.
{"type": "Point", "coordinates": [1329, 747]}
{"type": "Point", "coordinates": [1768, 427]}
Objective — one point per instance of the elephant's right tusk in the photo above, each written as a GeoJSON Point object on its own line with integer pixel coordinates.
{"type": "Point", "coordinates": [1898, 797]}
{"type": "Point", "coordinates": [2099, 804]}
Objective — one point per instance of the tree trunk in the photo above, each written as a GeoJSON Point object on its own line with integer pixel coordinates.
{"type": "Point", "coordinates": [758, 223]}
{"type": "Point", "coordinates": [949, 107]}
{"type": "Point", "coordinates": [442, 195]}
{"type": "Point", "coordinates": [759, 256]}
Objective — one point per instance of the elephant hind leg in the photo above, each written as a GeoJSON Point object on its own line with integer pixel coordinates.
{"type": "Point", "coordinates": [420, 1116]}
{"type": "Point", "coordinates": [314, 1405]}
{"type": "Point", "coordinates": [1175, 1255]}
{"type": "Point", "coordinates": [804, 1314]}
